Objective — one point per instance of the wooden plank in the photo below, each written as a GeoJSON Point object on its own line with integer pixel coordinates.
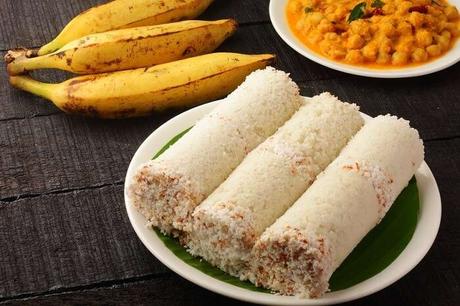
{"type": "Point", "coordinates": [430, 103]}
{"type": "Point", "coordinates": [414, 289]}
{"type": "Point", "coordinates": [62, 241]}
{"type": "Point", "coordinates": [170, 290]}
{"type": "Point", "coordinates": [244, 11]}
{"type": "Point", "coordinates": [32, 23]}
{"type": "Point", "coordinates": [69, 240]}
{"type": "Point", "coordinates": [56, 152]}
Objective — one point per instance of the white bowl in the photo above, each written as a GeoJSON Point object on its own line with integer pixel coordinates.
{"type": "Point", "coordinates": [422, 239]}
{"type": "Point", "coordinates": [279, 21]}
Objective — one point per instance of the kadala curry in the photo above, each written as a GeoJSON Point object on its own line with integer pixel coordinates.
{"type": "Point", "coordinates": [375, 33]}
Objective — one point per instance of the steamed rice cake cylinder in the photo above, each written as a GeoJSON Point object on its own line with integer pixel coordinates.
{"type": "Point", "coordinates": [167, 190]}
{"type": "Point", "coordinates": [299, 252]}
{"type": "Point", "coordinates": [226, 225]}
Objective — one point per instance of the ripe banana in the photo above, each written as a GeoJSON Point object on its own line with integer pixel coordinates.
{"type": "Point", "coordinates": [119, 14]}
{"type": "Point", "coordinates": [139, 92]}
{"type": "Point", "coordinates": [131, 48]}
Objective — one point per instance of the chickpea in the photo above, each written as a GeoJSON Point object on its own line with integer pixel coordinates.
{"type": "Point", "coordinates": [295, 6]}
{"type": "Point", "coordinates": [424, 38]}
{"type": "Point", "coordinates": [325, 26]}
{"type": "Point", "coordinates": [315, 37]}
{"type": "Point", "coordinates": [340, 12]}
{"type": "Point", "coordinates": [302, 25]}
{"type": "Point", "coordinates": [434, 11]}
{"type": "Point", "coordinates": [443, 42]}
{"type": "Point", "coordinates": [388, 29]}
{"type": "Point", "coordinates": [441, 26]}
{"type": "Point", "coordinates": [416, 19]}
{"type": "Point", "coordinates": [433, 50]}
{"type": "Point", "coordinates": [360, 27]}
{"type": "Point", "coordinates": [388, 19]}
{"type": "Point", "coordinates": [354, 57]}
{"type": "Point", "coordinates": [405, 44]}
{"type": "Point", "coordinates": [355, 42]}
{"type": "Point", "coordinates": [331, 36]}
{"type": "Point", "coordinates": [403, 8]}
{"type": "Point", "coordinates": [453, 28]}
{"type": "Point", "coordinates": [337, 53]}
{"type": "Point", "coordinates": [315, 18]}
{"type": "Point", "coordinates": [386, 46]}
{"type": "Point", "coordinates": [451, 13]}
{"type": "Point", "coordinates": [404, 28]}
{"type": "Point", "coordinates": [374, 28]}
{"type": "Point", "coordinates": [383, 58]}
{"type": "Point", "coordinates": [430, 21]}
{"type": "Point", "coordinates": [419, 55]}
{"type": "Point", "coordinates": [330, 9]}
{"type": "Point", "coordinates": [325, 46]}
{"type": "Point", "coordinates": [370, 52]}
{"type": "Point", "coordinates": [388, 9]}
{"type": "Point", "coordinates": [446, 34]}
{"type": "Point", "coordinates": [399, 58]}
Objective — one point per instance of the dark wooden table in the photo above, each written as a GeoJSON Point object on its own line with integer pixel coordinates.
{"type": "Point", "coordinates": [64, 234]}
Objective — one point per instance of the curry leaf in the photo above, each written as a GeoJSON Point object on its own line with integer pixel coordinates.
{"type": "Point", "coordinates": [357, 12]}
{"type": "Point", "coordinates": [308, 9]}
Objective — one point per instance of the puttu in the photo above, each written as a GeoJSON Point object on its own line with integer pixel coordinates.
{"type": "Point", "coordinates": [227, 224]}
{"type": "Point", "coordinates": [167, 190]}
{"type": "Point", "coordinates": [299, 252]}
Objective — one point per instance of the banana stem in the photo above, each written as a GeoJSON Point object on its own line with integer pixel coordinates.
{"type": "Point", "coordinates": [49, 47]}
{"type": "Point", "coordinates": [23, 64]}
{"type": "Point", "coordinates": [35, 87]}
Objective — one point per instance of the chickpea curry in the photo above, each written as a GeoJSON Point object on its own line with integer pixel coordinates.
{"type": "Point", "coordinates": [375, 33]}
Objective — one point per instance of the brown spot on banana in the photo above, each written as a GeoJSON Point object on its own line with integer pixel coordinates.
{"type": "Point", "coordinates": [79, 80]}
{"type": "Point", "coordinates": [61, 55]}
{"type": "Point", "coordinates": [189, 50]}
{"type": "Point", "coordinates": [73, 107]}
{"type": "Point", "coordinates": [116, 61]}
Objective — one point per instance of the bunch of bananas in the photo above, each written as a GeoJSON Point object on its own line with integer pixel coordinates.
{"type": "Point", "coordinates": [136, 58]}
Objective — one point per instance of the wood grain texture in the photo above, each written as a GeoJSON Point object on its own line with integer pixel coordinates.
{"type": "Point", "coordinates": [56, 152]}
{"type": "Point", "coordinates": [172, 290]}
{"type": "Point", "coordinates": [32, 23]}
{"type": "Point", "coordinates": [68, 240]}
{"type": "Point", "coordinates": [431, 103]}
{"type": "Point", "coordinates": [168, 290]}
{"type": "Point", "coordinates": [61, 242]}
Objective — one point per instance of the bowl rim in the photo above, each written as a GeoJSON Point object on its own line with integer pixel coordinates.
{"type": "Point", "coordinates": [424, 235]}
{"type": "Point", "coordinates": [277, 14]}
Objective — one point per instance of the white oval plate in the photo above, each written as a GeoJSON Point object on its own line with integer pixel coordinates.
{"type": "Point", "coordinates": [424, 235]}
{"type": "Point", "coordinates": [279, 21]}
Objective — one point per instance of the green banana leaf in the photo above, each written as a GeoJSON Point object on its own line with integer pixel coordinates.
{"type": "Point", "coordinates": [381, 246]}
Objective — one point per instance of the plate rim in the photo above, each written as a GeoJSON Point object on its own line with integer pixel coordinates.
{"type": "Point", "coordinates": [278, 21]}
{"type": "Point", "coordinates": [431, 213]}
